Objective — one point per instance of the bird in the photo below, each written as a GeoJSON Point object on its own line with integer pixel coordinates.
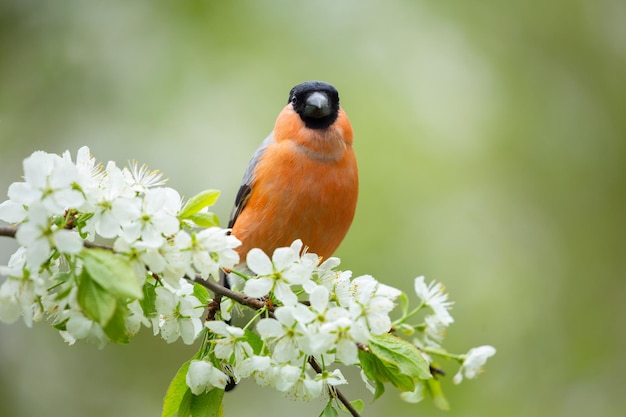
{"type": "Point", "coordinates": [302, 181]}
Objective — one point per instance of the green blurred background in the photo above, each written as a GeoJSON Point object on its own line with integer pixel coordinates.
{"type": "Point", "coordinates": [491, 144]}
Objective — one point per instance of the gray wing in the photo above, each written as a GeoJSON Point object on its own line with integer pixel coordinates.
{"type": "Point", "coordinates": [246, 183]}
{"type": "Point", "coordinates": [244, 193]}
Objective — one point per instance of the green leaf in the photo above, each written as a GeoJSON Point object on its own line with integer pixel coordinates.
{"type": "Point", "coordinates": [329, 411]}
{"type": "Point", "coordinates": [62, 276]}
{"type": "Point", "coordinates": [392, 359]}
{"type": "Point", "coordinates": [358, 405]}
{"type": "Point", "coordinates": [184, 410]}
{"type": "Point", "coordinates": [97, 304]}
{"type": "Point", "coordinates": [116, 327]}
{"type": "Point", "coordinates": [176, 392]}
{"type": "Point", "coordinates": [63, 291]}
{"type": "Point", "coordinates": [198, 202]}
{"type": "Point", "coordinates": [208, 404]}
{"type": "Point", "coordinates": [255, 341]}
{"type": "Point", "coordinates": [112, 272]}
{"type": "Point", "coordinates": [148, 302]}
{"type": "Point", "coordinates": [374, 370]}
{"type": "Point", "coordinates": [434, 388]}
{"type": "Point", "coordinates": [201, 293]}
{"type": "Point", "coordinates": [81, 222]}
{"type": "Point", "coordinates": [62, 325]}
{"type": "Point", "coordinates": [394, 350]}
{"type": "Point", "coordinates": [381, 372]}
{"type": "Point", "coordinates": [205, 219]}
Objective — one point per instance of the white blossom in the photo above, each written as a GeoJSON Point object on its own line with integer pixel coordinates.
{"type": "Point", "coordinates": [48, 179]}
{"type": "Point", "coordinates": [473, 362]}
{"type": "Point", "coordinates": [372, 302]}
{"type": "Point", "coordinates": [231, 343]}
{"type": "Point", "coordinates": [286, 376]}
{"type": "Point", "coordinates": [12, 212]}
{"type": "Point", "coordinates": [176, 258]}
{"type": "Point", "coordinates": [179, 313]}
{"type": "Point", "coordinates": [16, 266]}
{"type": "Point", "coordinates": [135, 318]}
{"type": "Point", "coordinates": [345, 335]}
{"type": "Point", "coordinates": [286, 268]}
{"type": "Point", "coordinates": [18, 297]}
{"type": "Point", "coordinates": [110, 192]}
{"type": "Point", "coordinates": [317, 338]}
{"type": "Point", "coordinates": [268, 376]}
{"type": "Point", "coordinates": [202, 376]}
{"type": "Point", "coordinates": [319, 312]}
{"type": "Point", "coordinates": [284, 332]}
{"type": "Point", "coordinates": [340, 288]}
{"type": "Point", "coordinates": [433, 296]}
{"type": "Point", "coordinates": [90, 173]}
{"type": "Point", "coordinates": [332, 378]}
{"type": "Point", "coordinates": [141, 178]}
{"type": "Point", "coordinates": [212, 249]}
{"type": "Point", "coordinates": [80, 327]}
{"type": "Point", "coordinates": [39, 236]}
{"type": "Point", "coordinates": [252, 365]}
{"type": "Point", "coordinates": [304, 388]}
{"type": "Point", "coordinates": [435, 331]}
{"type": "Point", "coordinates": [147, 222]}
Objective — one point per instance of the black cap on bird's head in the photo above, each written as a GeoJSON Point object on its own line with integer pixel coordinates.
{"type": "Point", "coordinates": [316, 102]}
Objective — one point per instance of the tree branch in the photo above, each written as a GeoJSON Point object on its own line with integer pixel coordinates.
{"type": "Point", "coordinates": [333, 390]}
{"type": "Point", "coordinates": [239, 298]}
{"type": "Point", "coordinates": [8, 231]}
{"type": "Point", "coordinates": [254, 303]}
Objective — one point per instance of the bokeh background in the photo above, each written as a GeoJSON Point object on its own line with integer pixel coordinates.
{"type": "Point", "coordinates": [491, 143]}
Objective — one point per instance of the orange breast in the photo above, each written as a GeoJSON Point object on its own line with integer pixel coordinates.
{"type": "Point", "coordinates": [305, 187]}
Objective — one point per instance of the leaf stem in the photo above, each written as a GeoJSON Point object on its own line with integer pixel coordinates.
{"type": "Point", "coordinates": [443, 354]}
{"type": "Point", "coordinates": [409, 314]}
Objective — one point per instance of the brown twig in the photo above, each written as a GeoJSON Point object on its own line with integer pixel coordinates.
{"type": "Point", "coordinates": [239, 298]}
{"type": "Point", "coordinates": [334, 391]}
{"type": "Point", "coordinates": [10, 231]}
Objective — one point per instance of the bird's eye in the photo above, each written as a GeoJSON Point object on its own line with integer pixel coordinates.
{"type": "Point", "coordinates": [294, 99]}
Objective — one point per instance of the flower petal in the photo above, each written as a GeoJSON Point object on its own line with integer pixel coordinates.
{"type": "Point", "coordinates": [258, 287]}
{"type": "Point", "coordinates": [67, 241]}
{"type": "Point", "coordinates": [259, 262]}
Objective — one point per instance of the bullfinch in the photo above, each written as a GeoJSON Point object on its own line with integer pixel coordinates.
{"type": "Point", "coordinates": [302, 182]}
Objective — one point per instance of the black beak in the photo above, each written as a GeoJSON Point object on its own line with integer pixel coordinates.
{"type": "Point", "coordinates": [317, 106]}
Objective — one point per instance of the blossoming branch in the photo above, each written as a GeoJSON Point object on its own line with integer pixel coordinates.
{"type": "Point", "coordinates": [162, 271]}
